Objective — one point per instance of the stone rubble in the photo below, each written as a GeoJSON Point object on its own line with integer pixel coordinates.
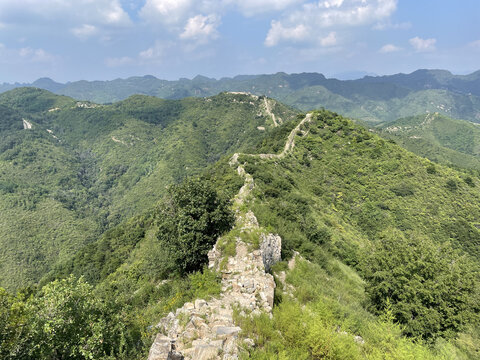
{"type": "Point", "coordinates": [205, 330]}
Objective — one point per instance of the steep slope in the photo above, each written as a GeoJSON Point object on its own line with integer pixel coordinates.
{"type": "Point", "coordinates": [320, 304]}
{"type": "Point", "coordinates": [438, 138]}
{"type": "Point", "coordinates": [345, 194]}
{"type": "Point", "coordinates": [95, 165]}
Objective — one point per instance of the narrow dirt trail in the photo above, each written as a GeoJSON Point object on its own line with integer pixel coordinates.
{"type": "Point", "coordinates": [248, 186]}
{"type": "Point", "coordinates": [269, 111]}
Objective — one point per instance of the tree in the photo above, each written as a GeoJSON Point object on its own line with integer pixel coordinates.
{"type": "Point", "coordinates": [67, 321]}
{"type": "Point", "coordinates": [193, 217]}
{"type": "Point", "coordinates": [14, 326]}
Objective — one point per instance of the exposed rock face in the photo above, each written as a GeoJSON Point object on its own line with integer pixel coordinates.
{"type": "Point", "coordinates": [26, 124]}
{"type": "Point", "coordinates": [205, 330]}
{"type": "Point", "coordinates": [271, 247]}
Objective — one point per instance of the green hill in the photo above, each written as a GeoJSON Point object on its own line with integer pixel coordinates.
{"type": "Point", "coordinates": [82, 168]}
{"type": "Point", "coordinates": [388, 242]}
{"type": "Point", "coordinates": [438, 138]}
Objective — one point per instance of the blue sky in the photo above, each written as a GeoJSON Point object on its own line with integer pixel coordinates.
{"type": "Point", "coordinates": [70, 40]}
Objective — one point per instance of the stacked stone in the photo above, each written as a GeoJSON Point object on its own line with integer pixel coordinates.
{"type": "Point", "coordinates": [205, 330]}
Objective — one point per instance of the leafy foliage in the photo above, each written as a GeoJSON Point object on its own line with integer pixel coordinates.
{"type": "Point", "coordinates": [195, 216]}
{"type": "Point", "coordinates": [432, 290]}
{"type": "Point", "coordinates": [64, 321]}
{"type": "Point", "coordinates": [69, 318]}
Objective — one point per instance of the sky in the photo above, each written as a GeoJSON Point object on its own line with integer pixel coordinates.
{"type": "Point", "coordinates": [70, 40]}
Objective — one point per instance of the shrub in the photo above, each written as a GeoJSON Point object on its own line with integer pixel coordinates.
{"type": "Point", "coordinates": [430, 287]}
{"type": "Point", "coordinates": [451, 185]}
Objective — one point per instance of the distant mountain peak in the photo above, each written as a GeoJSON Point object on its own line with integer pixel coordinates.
{"type": "Point", "coordinates": [47, 84]}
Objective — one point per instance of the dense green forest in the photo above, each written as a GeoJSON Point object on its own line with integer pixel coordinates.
{"type": "Point", "coordinates": [372, 98]}
{"type": "Point", "coordinates": [82, 168]}
{"type": "Point", "coordinates": [389, 240]}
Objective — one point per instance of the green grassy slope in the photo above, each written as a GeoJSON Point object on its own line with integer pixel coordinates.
{"type": "Point", "coordinates": [83, 167]}
{"type": "Point", "coordinates": [398, 221]}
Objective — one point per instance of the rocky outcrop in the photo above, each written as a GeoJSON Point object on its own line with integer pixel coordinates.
{"type": "Point", "coordinates": [27, 125]}
{"type": "Point", "coordinates": [271, 249]}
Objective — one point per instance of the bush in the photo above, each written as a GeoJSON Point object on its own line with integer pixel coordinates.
{"type": "Point", "coordinates": [65, 320]}
{"type": "Point", "coordinates": [451, 185]}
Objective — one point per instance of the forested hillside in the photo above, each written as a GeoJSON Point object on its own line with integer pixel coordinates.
{"type": "Point", "coordinates": [384, 243]}
{"type": "Point", "coordinates": [389, 232]}
{"type": "Point", "coordinates": [70, 170]}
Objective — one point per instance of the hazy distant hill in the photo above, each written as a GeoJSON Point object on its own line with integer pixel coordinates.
{"type": "Point", "coordinates": [373, 99]}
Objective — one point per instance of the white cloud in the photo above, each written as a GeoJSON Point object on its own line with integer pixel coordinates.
{"type": "Point", "coordinates": [254, 7]}
{"type": "Point", "coordinates": [85, 31]}
{"type": "Point", "coordinates": [201, 29]}
{"type": "Point", "coordinates": [423, 45]}
{"type": "Point", "coordinates": [330, 39]}
{"type": "Point", "coordinates": [475, 44]}
{"type": "Point", "coordinates": [279, 33]}
{"type": "Point", "coordinates": [388, 25]}
{"type": "Point", "coordinates": [176, 11]}
{"type": "Point", "coordinates": [82, 18]}
{"type": "Point", "coordinates": [333, 14]}
{"type": "Point", "coordinates": [155, 53]}
{"type": "Point", "coordinates": [185, 19]}
{"type": "Point", "coordinates": [389, 48]}
{"type": "Point", "coordinates": [166, 11]}
{"type": "Point", "coordinates": [108, 12]}
{"type": "Point", "coordinates": [345, 13]}
{"type": "Point", "coordinates": [36, 55]}
{"type": "Point", "coordinates": [25, 55]}
{"type": "Point", "coordinates": [331, 4]}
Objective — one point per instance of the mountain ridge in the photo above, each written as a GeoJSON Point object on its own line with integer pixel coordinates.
{"type": "Point", "coordinates": [372, 99]}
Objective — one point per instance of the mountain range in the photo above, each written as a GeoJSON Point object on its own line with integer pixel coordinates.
{"type": "Point", "coordinates": [372, 98]}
